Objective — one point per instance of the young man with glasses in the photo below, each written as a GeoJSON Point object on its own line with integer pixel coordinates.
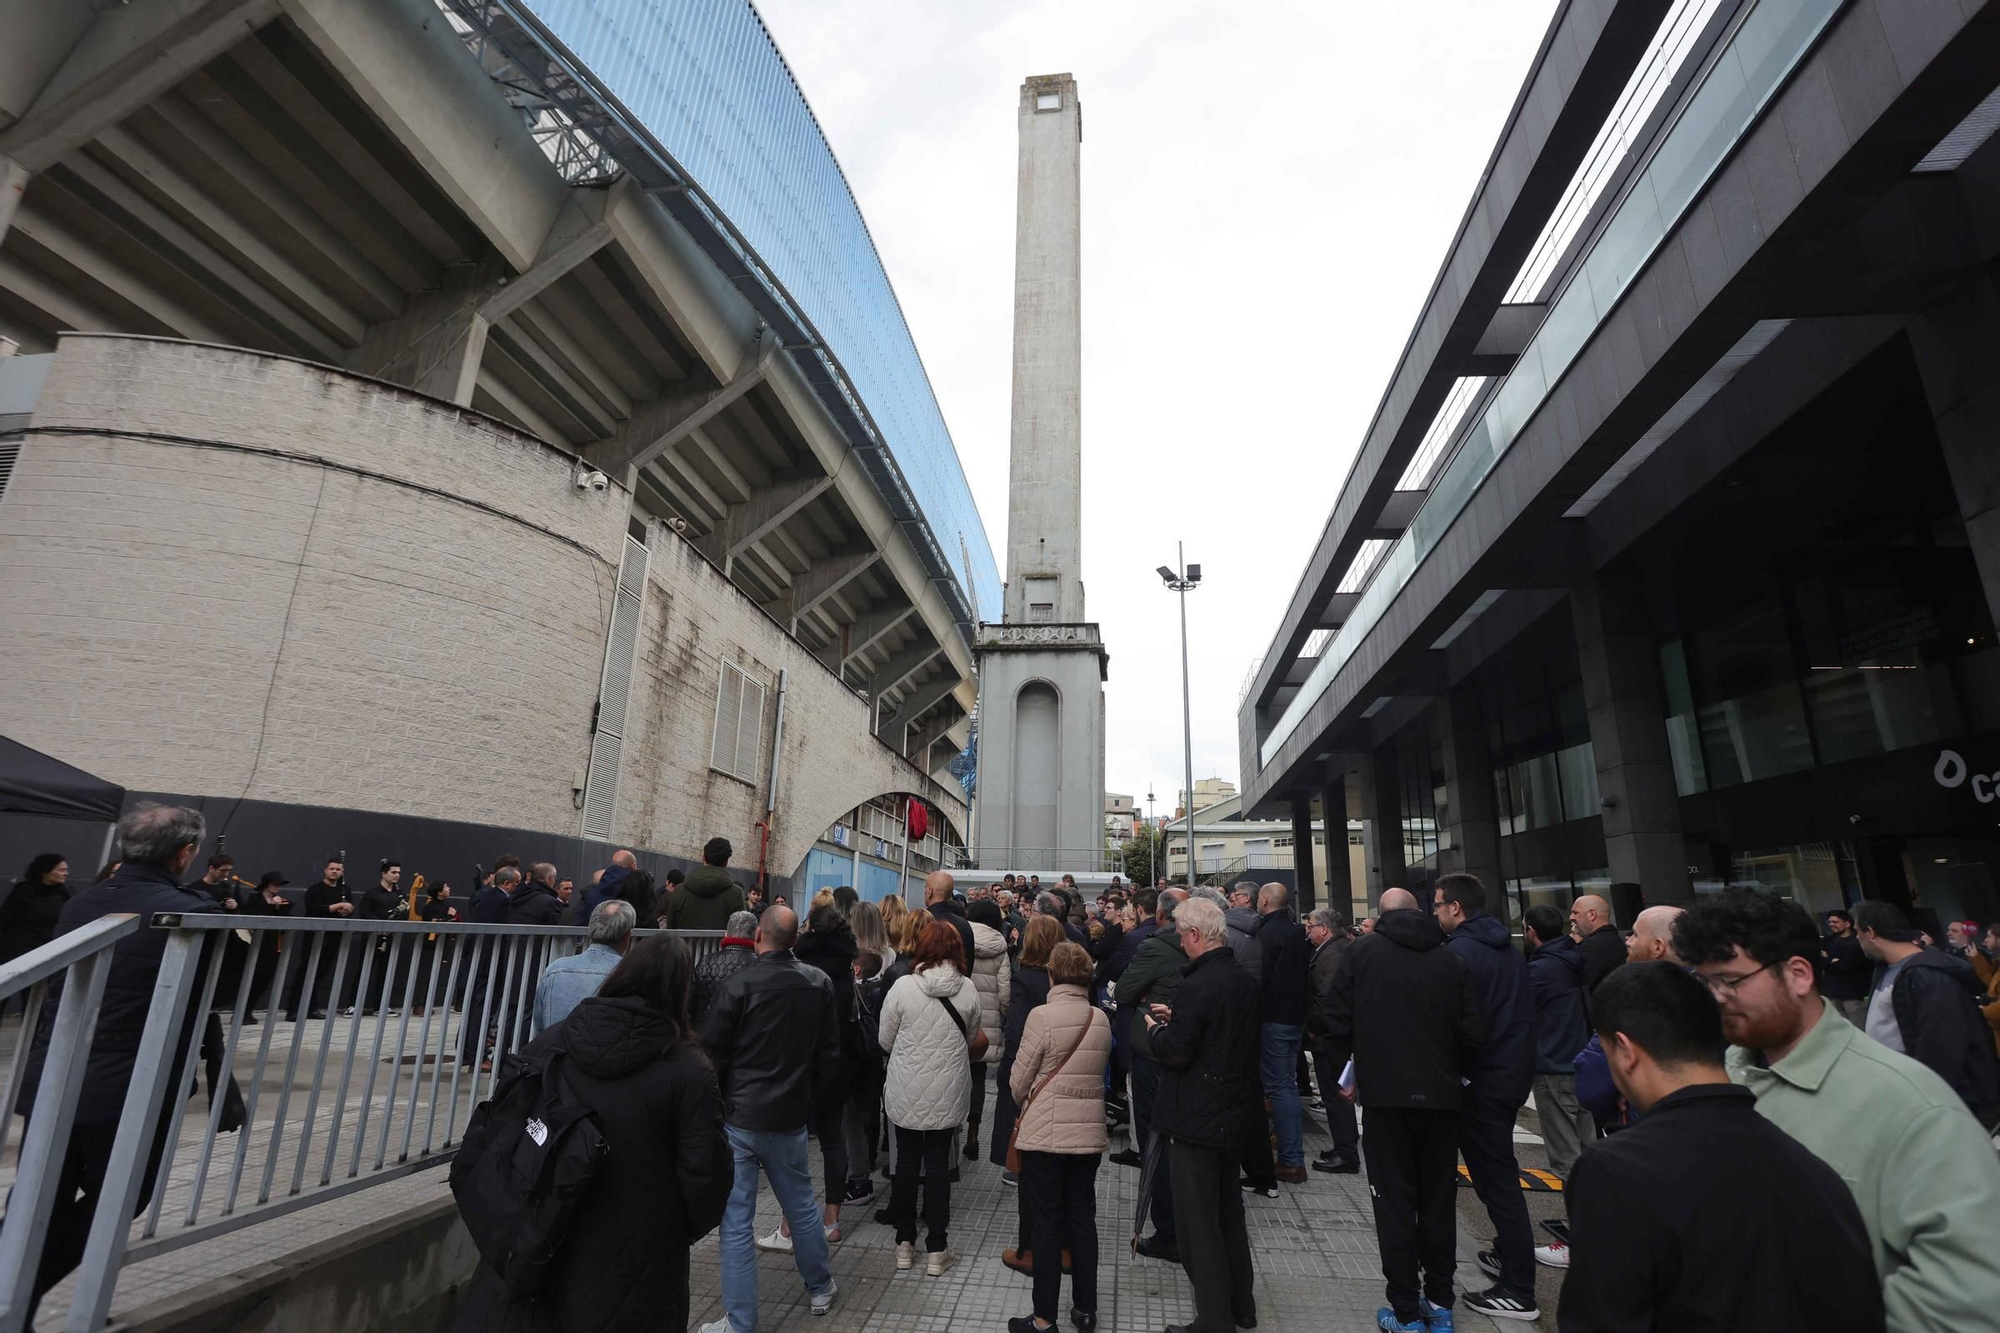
{"type": "Point", "coordinates": [1921, 1169]}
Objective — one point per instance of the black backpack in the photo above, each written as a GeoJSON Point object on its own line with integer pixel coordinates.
{"type": "Point", "coordinates": [523, 1167]}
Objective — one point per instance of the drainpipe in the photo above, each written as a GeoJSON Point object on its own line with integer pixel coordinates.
{"type": "Point", "coordinates": [771, 800]}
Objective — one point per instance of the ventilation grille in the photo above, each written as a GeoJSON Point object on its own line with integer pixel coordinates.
{"type": "Point", "coordinates": [739, 724]}
{"type": "Point", "coordinates": [614, 695]}
{"type": "Point", "coordinates": [10, 450]}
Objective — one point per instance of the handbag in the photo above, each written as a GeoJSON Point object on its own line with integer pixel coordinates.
{"type": "Point", "coordinates": [1014, 1136]}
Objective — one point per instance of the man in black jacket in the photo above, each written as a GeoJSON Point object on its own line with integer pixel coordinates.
{"type": "Point", "coordinates": [944, 907]}
{"type": "Point", "coordinates": [1207, 1044]}
{"type": "Point", "coordinates": [1845, 978]}
{"type": "Point", "coordinates": [775, 1039]}
{"type": "Point", "coordinates": [1924, 1004]}
{"type": "Point", "coordinates": [1499, 1073]}
{"type": "Point", "coordinates": [1562, 1029]}
{"type": "Point", "coordinates": [1407, 1011]}
{"type": "Point", "coordinates": [326, 900]}
{"type": "Point", "coordinates": [1327, 933]}
{"type": "Point", "coordinates": [1598, 936]}
{"type": "Point", "coordinates": [158, 843]}
{"type": "Point", "coordinates": [736, 950]}
{"type": "Point", "coordinates": [1284, 957]}
{"type": "Point", "coordinates": [487, 961]}
{"type": "Point", "coordinates": [1691, 1217]}
{"type": "Point", "coordinates": [1154, 977]}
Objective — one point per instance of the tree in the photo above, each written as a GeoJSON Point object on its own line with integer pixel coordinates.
{"type": "Point", "coordinates": [1141, 852]}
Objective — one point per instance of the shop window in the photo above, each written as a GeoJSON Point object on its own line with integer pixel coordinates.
{"type": "Point", "coordinates": [1865, 634]}
{"type": "Point", "coordinates": [1683, 725]}
{"type": "Point", "coordinates": [1752, 715]}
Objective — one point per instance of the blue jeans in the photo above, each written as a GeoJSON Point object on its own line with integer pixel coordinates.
{"type": "Point", "coordinates": [1278, 1067]}
{"type": "Point", "coordinates": [783, 1156]}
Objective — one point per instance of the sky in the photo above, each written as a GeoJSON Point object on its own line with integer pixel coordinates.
{"type": "Point", "coordinates": [1268, 191]}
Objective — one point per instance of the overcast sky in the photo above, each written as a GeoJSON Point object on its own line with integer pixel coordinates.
{"type": "Point", "coordinates": [1268, 190]}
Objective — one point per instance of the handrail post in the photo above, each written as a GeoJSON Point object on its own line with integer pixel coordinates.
{"type": "Point", "coordinates": [46, 1142]}
{"type": "Point", "coordinates": [104, 1252]}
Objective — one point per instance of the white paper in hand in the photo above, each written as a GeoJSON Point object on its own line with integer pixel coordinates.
{"type": "Point", "coordinates": [1347, 1077]}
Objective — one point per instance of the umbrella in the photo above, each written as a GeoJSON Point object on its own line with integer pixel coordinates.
{"type": "Point", "coordinates": [1149, 1170]}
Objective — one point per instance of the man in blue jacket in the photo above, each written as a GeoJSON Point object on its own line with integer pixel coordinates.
{"type": "Point", "coordinates": [1562, 1029]}
{"type": "Point", "coordinates": [1497, 1087]}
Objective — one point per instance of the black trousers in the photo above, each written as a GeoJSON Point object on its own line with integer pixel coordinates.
{"type": "Point", "coordinates": [295, 975]}
{"type": "Point", "coordinates": [1059, 1195]}
{"type": "Point", "coordinates": [1340, 1122]}
{"type": "Point", "coordinates": [1145, 1095]}
{"type": "Point", "coordinates": [1412, 1159]}
{"type": "Point", "coordinates": [78, 1190]}
{"type": "Point", "coordinates": [1260, 1166]}
{"type": "Point", "coordinates": [1214, 1240]}
{"type": "Point", "coordinates": [972, 1116]}
{"type": "Point", "coordinates": [926, 1152]}
{"type": "Point", "coordinates": [1486, 1139]}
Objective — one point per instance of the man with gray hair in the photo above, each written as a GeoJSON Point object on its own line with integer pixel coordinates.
{"type": "Point", "coordinates": [568, 982]}
{"type": "Point", "coordinates": [158, 844]}
{"type": "Point", "coordinates": [1326, 931]}
{"type": "Point", "coordinates": [1209, 1105]}
{"type": "Point", "coordinates": [738, 949]}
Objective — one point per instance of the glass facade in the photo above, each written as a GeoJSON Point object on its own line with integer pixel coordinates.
{"type": "Point", "coordinates": [706, 82]}
{"type": "Point", "coordinates": [1747, 72]}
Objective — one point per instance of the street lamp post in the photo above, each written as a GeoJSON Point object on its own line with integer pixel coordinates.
{"type": "Point", "coordinates": [1181, 582]}
{"type": "Point", "coordinates": [1152, 840]}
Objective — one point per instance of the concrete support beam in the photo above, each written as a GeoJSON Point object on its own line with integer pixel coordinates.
{"type": "Point", "coordinates": [1339, 868]}
{"type": "Point", "coordinates": [578, 232]}
{"type": "Point", "coordinates": [1954, 343]}
{"type": "Point", "coordinates": [1306, 895]}
{"type": "Point", "coordinates": [403, 61]}
{"type": "Point", "coordinates": [900, 668]}
{"type": "Point", "coordinates": [1395, 515]}
{"type": "Point", "coordinates": [1628, 733]}
{"type": "Point", "coordinates": [435, 344]}
{"type": "Point", "coordinates": [900, 728]}
{"type": "Point", "coordinates": [825, 578]}
{"type": "Point", "coordinates": [1337, 609]}
{"type": "Point", "coordinates": [128, 57]}
{"type": "Point", "coordinates": [870, 629]}
{"type": "Point", "coordinates": [659, 427]}
{"type": "Point", "coordinates": [1382, 820]}
{"type": "Point", "coordinates": [13, 184]}
{"type": "Point", "coordinates": [749, 522]}
{"type": "Point", "coordinates": [1469, 832]}
{"type": "Point", "coordinates": [709, 313]}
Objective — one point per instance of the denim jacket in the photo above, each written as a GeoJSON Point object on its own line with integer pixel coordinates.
{"type": "Point", "coordinates": [568, 982]}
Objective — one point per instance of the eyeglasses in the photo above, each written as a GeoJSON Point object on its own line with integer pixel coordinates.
{"type": "Point", "coordinates": [1721, 987]}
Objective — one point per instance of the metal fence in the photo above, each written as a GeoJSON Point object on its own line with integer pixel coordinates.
{"type": "Point", "coordinates": [329, 1105]}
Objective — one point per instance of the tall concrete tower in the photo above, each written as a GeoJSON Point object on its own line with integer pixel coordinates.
{"type": "Point", "coordinates": [1045, 494]}
{"type": "Point", "coordinates": [1042, 670]}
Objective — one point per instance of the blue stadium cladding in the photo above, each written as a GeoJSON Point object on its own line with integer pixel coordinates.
{"type": "Point", "coordinates": [705, 83]}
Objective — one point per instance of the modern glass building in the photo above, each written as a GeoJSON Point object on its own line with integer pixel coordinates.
{"type": "Point", "coordinates": [1669, 561]}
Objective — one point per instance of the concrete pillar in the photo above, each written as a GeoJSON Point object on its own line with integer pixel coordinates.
{"type": "Point", "coordinates": [1954, 342]}
{"type": "Point", "coordinates": [13, 184]}
{"type": "Point", "coordinates": [1470, 841]}
{"type": "Point", "coordinates": [1304, 896]}
{"type": "Point", "coordinates": [1339, 873]}
{"type": "Point", "coordinates": [1382, 821]}
{"type": "Point", "coordinates": [1628, 734]}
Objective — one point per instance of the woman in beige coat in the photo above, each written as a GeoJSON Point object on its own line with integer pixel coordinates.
{"type": "Point", "coordinates": [1064, 1049]}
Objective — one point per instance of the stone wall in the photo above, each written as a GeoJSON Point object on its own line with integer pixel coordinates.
{"type": "Point", "coordinates": [239, 575]}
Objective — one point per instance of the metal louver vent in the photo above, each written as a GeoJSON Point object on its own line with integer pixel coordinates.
{"type": "Point", "coordinates": [739, 723]}
{"type": "Point", "coordinates": [10, 451]}
{"type": "Point", "coordinates": [614, 694]}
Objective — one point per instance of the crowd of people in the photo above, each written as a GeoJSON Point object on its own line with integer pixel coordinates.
{"type": "Point", "coordinates": [1760, 1121]}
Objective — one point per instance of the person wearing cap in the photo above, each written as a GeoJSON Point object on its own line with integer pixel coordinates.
{"type": "Point", "coordinates": [265, 945]}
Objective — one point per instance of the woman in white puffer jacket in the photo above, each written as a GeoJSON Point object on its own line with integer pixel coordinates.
{"type": "Point", "coordinates": [992, 976]}
{"type": "Point", "coordinates": [928, 1022]}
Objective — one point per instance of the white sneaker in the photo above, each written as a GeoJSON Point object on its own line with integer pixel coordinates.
{"type": "Point", "coordinates": [823, 1302]}
{"type": "Point", "coordinates": [777, 1242]}
{"type": "Point", "coordinates": [721, 1325]}
{"type": "Point", "coordinates": [906, 1256]}
{"type": "Point", "coordinates": [939, 1261]}
{"type": "Point", "coordinates": [1552, 1256]}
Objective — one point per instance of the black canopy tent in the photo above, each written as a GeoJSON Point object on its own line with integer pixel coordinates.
{"type": "Point", "coordinates": [32, 783]}
{"type": "Point", "coordinates": [40, 786]}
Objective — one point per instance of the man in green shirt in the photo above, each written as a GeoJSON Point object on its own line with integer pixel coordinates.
{"type": "Point", "coordinates": [1922, 1170]}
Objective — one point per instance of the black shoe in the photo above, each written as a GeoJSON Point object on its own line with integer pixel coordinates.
{"type": "Point", "coordinates": [1336, 1167]}
{"type": "Point", "coordinates": [249, 1020]}
{"type": "Point", "coordinates": [971, 1149]}
{"type": "Point", "coordinates": [1025, 1323]}
{"type": "Point", "coordinates": [1084, 1321]}
{"type": "Point", "coordinates": [316, 1016]}
{"type": "Point", "coordinates": [954, 1175]}
{"type": "Point", "coordinates": [882, 1216]}
{"type": "Point", "coordinates": [1268, 1191]}
{"type": "Point", "coordinates": [1498, 1303]}
{"type": "Point", "coordinates": [1243, 1321]}
{"type": "Point", "coordinates": [1127, 1157]}
{"type": "Point", "coordinates": [1152, 1247]}
{"type": "Point", "coordinates": [1489, 1263]}
{"type": "Point", "coordinates": [858, 1191]}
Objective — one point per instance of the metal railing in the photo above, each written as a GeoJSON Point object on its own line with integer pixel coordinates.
{"type": "Point", "coordinates": [329, 1105]}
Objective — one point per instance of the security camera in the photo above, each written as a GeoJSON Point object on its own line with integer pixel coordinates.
{"type": "Point", "coordinates": [592, 480]}
{"type": "Point", "coordinates": [677, 523]}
